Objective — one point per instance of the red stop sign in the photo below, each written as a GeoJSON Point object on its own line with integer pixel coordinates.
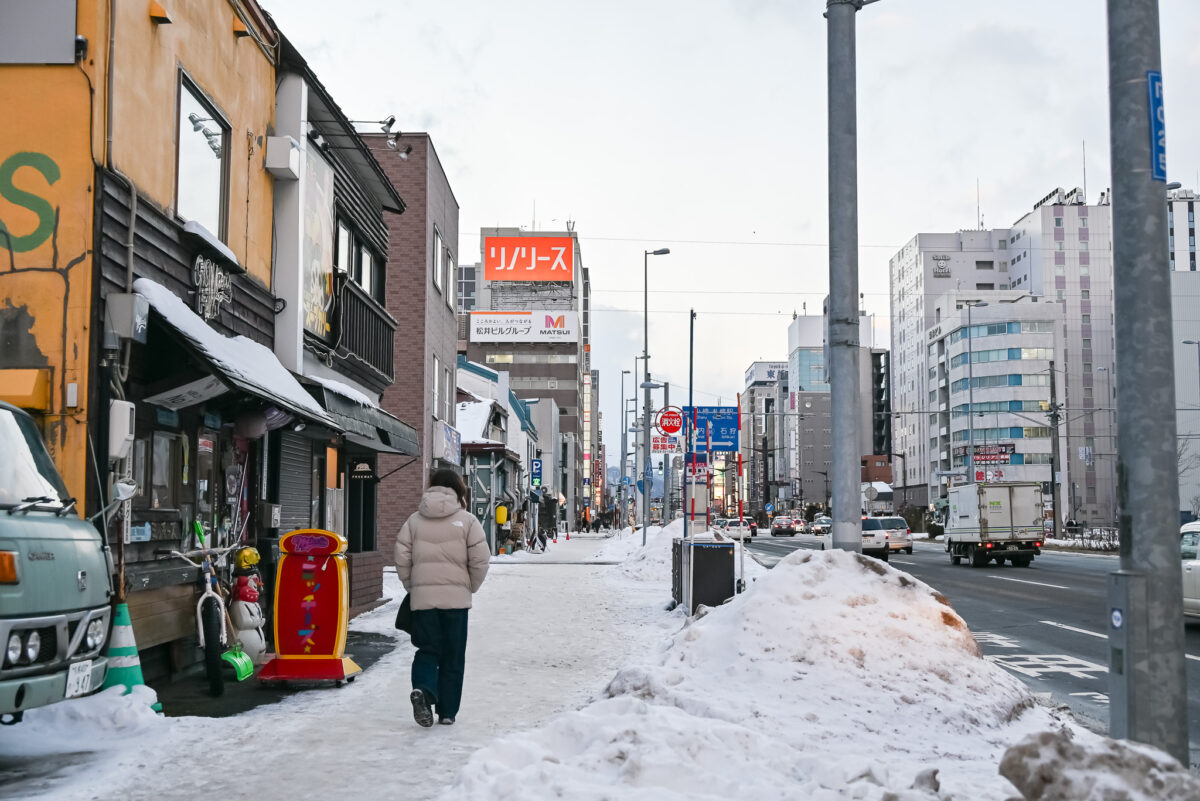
{"type": "Point", "coordinates": [670, 421]}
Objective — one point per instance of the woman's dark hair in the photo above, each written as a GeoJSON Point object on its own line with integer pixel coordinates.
{"type": "Point", "coordinates": [450, 479]}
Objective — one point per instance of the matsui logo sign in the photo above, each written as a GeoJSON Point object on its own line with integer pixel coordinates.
{"type": "Point", "coordinates": [528, 258]}
{"type": "Point", "coordinates": [525, 326]}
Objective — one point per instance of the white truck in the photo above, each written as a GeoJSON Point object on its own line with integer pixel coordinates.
{"type": "Point", "coordinates": [1001, 521]}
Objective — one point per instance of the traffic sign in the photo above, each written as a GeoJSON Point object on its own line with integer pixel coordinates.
{"type": "Point", "coordinates": [770, 507]}
{"type": "Point", "coordinates": [535, 472]}
{"type": "Point", "coordinates": [1158, 128]}
{"type": "Point", "coordinates": [724, 433]}
{"type": "Point", "coordinates": [626, 480]}
{"type": "Point", "coordinates": [669, 420]}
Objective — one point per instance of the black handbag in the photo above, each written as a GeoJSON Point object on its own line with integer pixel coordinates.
{"type": "Point", "coordinates": [404, 615]}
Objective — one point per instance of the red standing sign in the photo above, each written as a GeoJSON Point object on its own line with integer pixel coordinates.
{"type": "Point", "coordinates": [669, 421]}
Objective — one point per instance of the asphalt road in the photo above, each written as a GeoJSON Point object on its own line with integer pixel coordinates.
{"type": "Point", "coordinates": [1047, 623]}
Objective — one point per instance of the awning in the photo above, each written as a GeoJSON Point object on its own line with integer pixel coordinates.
{"type": "Point", "coordinates": [238, 362]}
{"type": "Point", "coordinates": [366, 425]}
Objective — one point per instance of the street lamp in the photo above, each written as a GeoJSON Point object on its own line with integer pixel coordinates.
{"type": "Point", "coordinates": [971, 392]}
{"type": "Point", "coordinates": [646, 384]}
{"type": "Point", "coordinates": [624, 444]}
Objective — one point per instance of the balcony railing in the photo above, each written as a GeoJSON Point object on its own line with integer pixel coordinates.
{"type": "Point", "coordinates": [364, 330]}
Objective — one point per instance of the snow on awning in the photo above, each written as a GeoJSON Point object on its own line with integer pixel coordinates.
{"type": "Point", "coordinates": [239, 361]}
{"type": "Point", "coordinates": [366, 424]}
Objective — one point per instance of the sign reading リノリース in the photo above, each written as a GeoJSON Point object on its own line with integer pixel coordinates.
{"type": "Point", "coordinates": [539, 325]}
{"type": "Point", "coordinates": [528, 258]}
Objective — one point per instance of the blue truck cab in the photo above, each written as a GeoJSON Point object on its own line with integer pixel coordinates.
{"type": "Point", "coordinates": [55, 579]}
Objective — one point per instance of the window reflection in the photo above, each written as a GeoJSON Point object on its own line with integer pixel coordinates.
{"type": "Point", "coordinates": [200, 171]}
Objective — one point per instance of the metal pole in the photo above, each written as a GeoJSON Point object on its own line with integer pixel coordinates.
{"type": "Point", "coordinates": [1055, 455]}
{"type": "Point", "coordinates": [646, 474]}
{"type": "Point", "coordinates": [843, 273]}
{"type": "Point", "coordinates": [1148, 683]}
{"type": "Point", "coordinates": [624, 447]}
{"type": "Point", "coordinates": [666, 463]}
{"type": "Point", "coordinates": [687, 423]}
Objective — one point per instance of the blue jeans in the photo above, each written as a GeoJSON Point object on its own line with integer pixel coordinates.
{"type": "Point", "coordinates": [440, 636]}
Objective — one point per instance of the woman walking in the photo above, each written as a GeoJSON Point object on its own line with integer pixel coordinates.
{"type": "Point", "coordinates": [441, 558]}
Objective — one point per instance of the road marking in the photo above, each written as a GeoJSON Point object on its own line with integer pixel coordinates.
{"type": "Point", "coordinates": [1095, 634]}
{"type": "Point", "coordinates": [1072, 628]}
{"type": "Point", "coordinates": [996, 640]}
{"type": "Point", "coordinates": [1039, 665]}
{"type": "Point", "coordinates": [902, 562]}
{"type": "Point", "coordinates": [1038, 583]}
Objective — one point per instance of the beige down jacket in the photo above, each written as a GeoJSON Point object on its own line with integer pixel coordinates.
{"type": "Point", "coordinates": [441, 553]}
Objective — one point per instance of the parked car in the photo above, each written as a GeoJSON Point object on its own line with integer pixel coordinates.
{"type": "Point", "coordinates": [783, 525]}
{"type": "Point", "coordinates": [820, 525]}
{"type": "Point", "coordinates": [718, 524]}
{"type": "Point", "coordinates": [737, 529]}
{"type": "Point", "coordinates": [1189, 553]}
{"type": "Point", "coordinates": [899, 534]}
{"type": "Point", "coordinates": [55, 579]}
{"type": "Point", "coordinates": [875, 538]}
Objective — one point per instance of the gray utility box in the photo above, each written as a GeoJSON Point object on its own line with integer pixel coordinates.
{"type": "Point", "coordinates": [712, 576]}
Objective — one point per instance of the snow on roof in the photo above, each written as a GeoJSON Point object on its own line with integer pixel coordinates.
{"type": "Point", "coordinates": [345, 390]}
{"type": "Point", "coordinates": [240, 357]}
{"type": "Point", "coordinates": [471, 421]}
{"type": "Point", "coordinates": [196, 229]}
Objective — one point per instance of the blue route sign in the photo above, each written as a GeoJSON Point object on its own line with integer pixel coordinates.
{"type": "Point", "coordinates": [770, 507]}
{"type": "Point", "coordinates": [626, 480]}
{"type": "Point", "coordinates": [724, 420]}
{"type": "Point", "coordinates": [535, 472]}
{"type": "Point", "coordinates": [1158, 126]}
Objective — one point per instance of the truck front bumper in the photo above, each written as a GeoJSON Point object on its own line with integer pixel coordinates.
{"type": "Point", "coordinates": [29, 692]}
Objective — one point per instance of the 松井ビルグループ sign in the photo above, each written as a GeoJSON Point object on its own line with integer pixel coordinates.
{"type": "Point", "coordinates": [538, 325]}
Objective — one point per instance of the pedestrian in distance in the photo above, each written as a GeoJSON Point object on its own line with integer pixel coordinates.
{"type": "Point", "coordinates": [441, 558]}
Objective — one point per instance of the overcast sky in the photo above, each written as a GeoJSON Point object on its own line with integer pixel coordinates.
{"type": "Point", "coordinates": [699, 125]}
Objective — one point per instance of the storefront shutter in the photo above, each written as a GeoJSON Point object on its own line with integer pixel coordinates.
{"type": "Point", "coordinates": [295, 482]}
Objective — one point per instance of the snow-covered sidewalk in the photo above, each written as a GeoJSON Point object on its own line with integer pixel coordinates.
{"type": "Point", "coordinates": [543, 638]}
{"type": "Point", "coordinates": [835, 676]}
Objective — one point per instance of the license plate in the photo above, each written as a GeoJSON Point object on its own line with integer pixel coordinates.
{"type": "Point", "coordinates": [79, 678]}
{"type": "Point", "coordinates": [1014, 547]}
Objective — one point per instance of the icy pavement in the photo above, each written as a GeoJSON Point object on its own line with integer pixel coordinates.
{"type": "Point", "coordinates": [834, 677]}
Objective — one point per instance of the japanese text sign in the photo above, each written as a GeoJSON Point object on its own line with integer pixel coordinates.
{"type": "Point", "coordinates": [528, 258]}
{"type": "Point", "coordinates": [545, 325]}
{"type": "Point", "coordinates": [724, 432]}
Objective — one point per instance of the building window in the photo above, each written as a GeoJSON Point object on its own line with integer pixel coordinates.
{"type": "Point", "coordinates": [1083, 244]}
{"type": "Point", "coordinates": [1087, 367]}
{"type": "Point", "coordinates": [985, 286]}
{"type": "Point", "coordinates": [202, 144]}
{"type": "Point", "coordinates": [439, 257]}
{"type": "Point", "coordinates": [437, 380]}
{"type": "Point", "coordinates": [1058, 222]}
{"type": "Point", "coordinates": [354, 259]}
{"type": "Point", "coordinates": [1085, 294]}
{"type": "Point", "coordinates": [450, 273]}
{"type": "Point", "coordinates": [449, 395]}
{"type": "Point", "coordinates": [1085, 270]}
{"type": "Point", "coordinates": [985, 265]}
{"type": "Point", "coordinates": [1087, 343]}
{"type": "Point", "coordinates": [1086, 319]}
{"type": "Point", "coordinates": [1002, 245]}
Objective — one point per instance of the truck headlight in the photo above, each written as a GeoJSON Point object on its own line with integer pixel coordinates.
{"type": "Point", "coordinates": [95, 634]}
{"type": "Point", "coordinates": [33, 646]}
{"type": "Point", "coordinates": [13, 652]}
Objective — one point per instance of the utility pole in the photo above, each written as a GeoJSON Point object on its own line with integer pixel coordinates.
{"type": "Point", "coordinates": [1147, 678]}
{"type": "Point", "coordinates": [1055, 414]}
{"type": "Point", "coordinates": [667, 463]}
{"type": "Point", "coordinates": [766, 479]}
{"type": "Point", "coordinates": [846, 531]}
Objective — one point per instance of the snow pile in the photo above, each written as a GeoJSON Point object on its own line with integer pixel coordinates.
{"type": "Point", "coordinates": [346, 391]}
{"type": "Point", "coordinates": [1055, 765]}
{"type": "Point", "coordinates": [105, 720]}
{"type": "Point", "coordinates": [834, 676]}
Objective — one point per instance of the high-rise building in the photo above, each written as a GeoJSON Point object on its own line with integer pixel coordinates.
{"type": "Point", "coordinates": [1060, 252]}
{"type": "Point", "coordinates": [763, 441]}
{"type": "Point", "coordinates": [531, 318]}
{"type": "Point", "coordinates": [1181, 229]}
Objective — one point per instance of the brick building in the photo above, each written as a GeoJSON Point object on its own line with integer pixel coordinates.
{"type": "Point", "coordinates": [421, 294]}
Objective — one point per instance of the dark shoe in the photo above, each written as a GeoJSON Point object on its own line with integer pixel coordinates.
{"type": "Point", "coordinates": [446, 721]}
{"type": "Point", "coordinates": [422, 713]}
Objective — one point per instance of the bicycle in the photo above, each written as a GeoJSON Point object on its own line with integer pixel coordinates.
{"type": "Point", "coordinates": [212, 624]}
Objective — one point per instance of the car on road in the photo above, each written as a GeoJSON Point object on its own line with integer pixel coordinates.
{"type": "Point", "coordinates": [875, 538]}
{"type": "Point", "coordinates": [718, 524]}
{"type": "Point", "coordinates": [820, 525]}
{"type": "Point", "coordinates": [783, 525]}
{"type": "Point", "coordinates": [738, 529]}
{"type": "Point", "coordinates": [899, 534]}
{"type": "Point", "coordinates": [1189, 552]}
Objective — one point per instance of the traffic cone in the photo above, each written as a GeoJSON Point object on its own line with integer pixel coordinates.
{"type": "Point", "coordinates": [124, 666]}
{"type": "Point", "coordinates": [568, 536]}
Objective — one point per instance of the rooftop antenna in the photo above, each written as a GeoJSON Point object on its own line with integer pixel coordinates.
{"type": "Point", "coordinates": [1085, 172]}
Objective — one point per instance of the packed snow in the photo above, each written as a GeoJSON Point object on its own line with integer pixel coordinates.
{"type": "Point", "coordinates": [834, 676]}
